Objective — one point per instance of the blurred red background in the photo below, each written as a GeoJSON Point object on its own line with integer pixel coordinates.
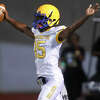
{"type": "Point", "coordinates": [18, 96]}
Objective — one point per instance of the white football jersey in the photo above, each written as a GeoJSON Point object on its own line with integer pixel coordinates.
{"type": "Point", "coordinates": [46, 49]}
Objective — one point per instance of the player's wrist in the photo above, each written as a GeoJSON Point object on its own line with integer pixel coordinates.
{"type": "Point", "coordinates": [8, 18]}
{"type": "Point", "coordinates": [87, 16]}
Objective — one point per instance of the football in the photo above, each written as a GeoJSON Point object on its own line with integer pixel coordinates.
{"type": "Point", "coordinates": [2, 8]}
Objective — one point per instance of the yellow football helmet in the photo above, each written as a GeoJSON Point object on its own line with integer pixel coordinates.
{"type": "Point", "coordinates": [51, 15]}
{"type": "Point", "coordinates": [51, 12]}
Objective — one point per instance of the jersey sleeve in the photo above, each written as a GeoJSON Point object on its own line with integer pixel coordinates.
{"type": "Point", "coordinates": [61, 28]}
{"type": "Point", "coordinates": [33, 30]}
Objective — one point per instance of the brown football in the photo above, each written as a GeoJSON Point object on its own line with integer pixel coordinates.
{"type": "Point", "coordinates": [2, 8]}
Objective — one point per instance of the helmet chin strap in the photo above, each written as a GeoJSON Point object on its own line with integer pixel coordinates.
{"type": "Point", "coordinates": [42, 30]}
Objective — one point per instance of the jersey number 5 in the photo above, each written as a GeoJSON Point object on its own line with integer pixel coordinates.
{"type": "Point", "coordinates": [40, 51]}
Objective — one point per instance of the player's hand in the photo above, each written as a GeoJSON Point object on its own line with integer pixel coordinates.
{"type": "Point", "coordinates": [5, 14]}
{"type": "Point", "coordinates": [91, 10]}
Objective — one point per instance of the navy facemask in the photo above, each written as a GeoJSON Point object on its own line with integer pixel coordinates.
{"type": "Point", "coordinates": [40, 19]}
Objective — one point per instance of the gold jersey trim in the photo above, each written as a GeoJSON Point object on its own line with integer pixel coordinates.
{"type": "Point", "coordinates": [57, 36]}
{"type": "Point", "coordinates": [58, 41]}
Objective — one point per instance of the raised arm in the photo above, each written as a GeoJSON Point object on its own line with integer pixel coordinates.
{"type": "Point", "coordinates": [91, 10]}
{"type": "Point", "coordinates": [18, 25]}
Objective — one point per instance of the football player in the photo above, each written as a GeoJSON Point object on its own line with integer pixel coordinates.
{"type": "Point", "coordinates": [48, 40]}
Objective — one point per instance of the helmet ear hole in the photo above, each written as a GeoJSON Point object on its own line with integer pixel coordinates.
{"type": "Point", "coordinates": [54, 19]}
{"type": "Point", "coordinates": [50, 20]}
